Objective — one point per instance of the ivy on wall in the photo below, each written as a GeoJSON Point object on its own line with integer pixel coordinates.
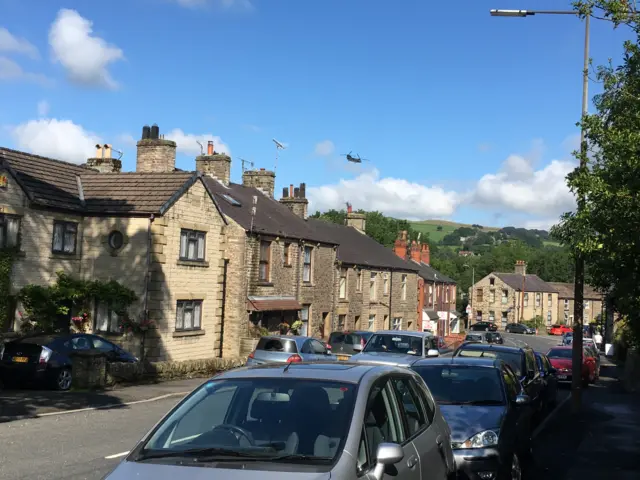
{"type": "Point", "coordinates": [6, 264]}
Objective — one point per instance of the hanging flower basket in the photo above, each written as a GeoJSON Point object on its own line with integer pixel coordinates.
{"type": "Point", "coordinates": [127, 325]}
{"type": "Point", "coordinates": [81, 322]}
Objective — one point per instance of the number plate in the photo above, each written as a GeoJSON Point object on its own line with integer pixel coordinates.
{"type": "Point", "coordinates": [562, 377]}
{"type": "Point", "coordinates": [20, 359]}
{"type": "Point", "coordinates": [343, 358]}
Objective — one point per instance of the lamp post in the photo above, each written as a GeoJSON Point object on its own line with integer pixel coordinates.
{"type": "Point", "coordinates": [578, 304]}
{"type": "Point", "coordinates": [473, 282]}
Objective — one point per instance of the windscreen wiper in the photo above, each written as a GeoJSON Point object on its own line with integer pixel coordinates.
{"type": "Point", "coordinates": [198, 452]}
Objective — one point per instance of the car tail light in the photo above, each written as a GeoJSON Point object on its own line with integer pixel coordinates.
{"type": "Point", "coordinates": [294, 359]}
{"type": "Point", "coordinates": [327, 346]}
{"type": "Point", "coordinates": [252, 354]}
{"type": "Point", "coordinates": [45, 355]}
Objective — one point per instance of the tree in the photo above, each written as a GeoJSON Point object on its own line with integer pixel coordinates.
{"type": "Point", "coordinates": [604, 232]}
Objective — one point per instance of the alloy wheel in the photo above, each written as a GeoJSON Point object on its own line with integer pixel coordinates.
{"type": "Point", "coordinates": [64, 379]}
{"type": "Point", "coordinates": [516, 471]}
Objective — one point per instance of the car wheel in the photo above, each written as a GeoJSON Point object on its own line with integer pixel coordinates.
{"type": "Point", "coordinates": [514, 470]}
{"type": "Point", "coordinates": [63, 379]}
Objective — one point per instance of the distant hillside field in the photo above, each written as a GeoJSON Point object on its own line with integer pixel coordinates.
{"type": "Point", "coordinates": [430, 227]}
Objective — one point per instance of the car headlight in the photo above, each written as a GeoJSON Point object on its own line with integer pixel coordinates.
{"type": "Point", "coordinates": [488, 438]}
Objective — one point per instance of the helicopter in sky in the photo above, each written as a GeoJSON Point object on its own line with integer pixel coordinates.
{"type": "Point", "coordinates": [354, 159]}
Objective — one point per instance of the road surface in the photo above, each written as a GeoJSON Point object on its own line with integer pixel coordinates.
{"type": "Point", "coordinates": [540, 343]}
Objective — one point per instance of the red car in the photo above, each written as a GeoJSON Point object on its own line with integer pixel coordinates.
{"type": "Point", "coordinates": [559, 329]}
{"type": "Point", "coordinates": [560, 358]}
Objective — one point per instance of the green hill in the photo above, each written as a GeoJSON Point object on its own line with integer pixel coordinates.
{"type": "Point", "coordinates": [437, 229]}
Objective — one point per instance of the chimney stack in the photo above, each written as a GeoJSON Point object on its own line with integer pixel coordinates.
{"type": "Point", "coordinates": [263, 180]}
{"type": "Point", "coordinates": [217, 165]}
{"type": "Point", "coordinates": [295, 200]}
{"type": "Point", "coordinates": [356, 220]}
{"type": "Point", "coordinates": [521, 267]}
{"type": "Point", "coordinates": [425, 254]}
{"type": "Point", "coordinates": [103, 162]}
{"type": "Point", "coordinates": [415, 251]}
{"type": "Point", "coordinates": [400, 245]}
{"type": "Point", "coordinates": [349, 208]}
{"type": "Point", "coordinates": [155, 154]}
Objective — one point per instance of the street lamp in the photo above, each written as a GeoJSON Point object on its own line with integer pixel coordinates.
{"type": "Point", "coordinates": [473, 282]}
{"type": "Point", "coordinates": [578, 308]}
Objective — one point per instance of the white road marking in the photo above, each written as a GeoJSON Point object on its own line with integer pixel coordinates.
{"type": "Point", "coordinates": [117, 455]}
{"type": "Point", "coordinates": [551, 414]}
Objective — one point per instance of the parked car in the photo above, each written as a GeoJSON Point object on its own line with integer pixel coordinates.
{"type": "Point", "coordinates": [288, 349]}
{"type": "Point", "coordinates": [559, 329]}
{"type": "Point", "coordinates": [522, 361]}
{"type": "Point", "coordinates": [519, 328]}
{"type": "Point", "coordinates": [561, 360]}
{"type": "Point", "coordinates": [567, 338]}
{"type": "Point", "coordinates": [493, 337]}
{"type": "Point", "coordinates": [398, 347]}
{"type": "Point", "coordinates": [46, 359]}
{"type": "Point", "coordinates": [550, 377]}
{"type": "Point", "coordinates": [474, 337]}
{"type": "Point", "coordinates": [484, 327]}
{"type": "Point", "coordinates": [482, 401]}
{"type": "Point", "coordinates": [308, 421]}
{"type": "Point", "coordinates": [345, 344]}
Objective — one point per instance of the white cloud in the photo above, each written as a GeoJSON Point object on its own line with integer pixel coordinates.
{"type": "Point", "coordinates": [519, 187]}
{"type": "Point", "coordinates": [12, 44]}
{"type": "Point", "coordinates": [126, 139]}
{"type": "Point", "coordinates": [187, 142]}
{"type": "Point", "coordinates": [542, 224]}
{"type": "Point", "coordinates": [11, 71]}
{"type": "Point", "coordinates": [325, 148]}
{"type": "Point", "coordinates": [393, 196]}
{"type": "Point", "coordinates": [61, 139]}
{"type": "Point", "coordinates": [43, 108]}
{"type": "Point", "coordinates": [85, 57]}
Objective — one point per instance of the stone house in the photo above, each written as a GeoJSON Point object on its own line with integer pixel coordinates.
{"type": "Point", "coordinates": [156, 231]}
{"type": "Point", "coordinates": [436, 292]}
{"type": "Point", "coordinates": [374, 289]}
{"type": "Point", "coordinates": [513, 297]}
{"type": "Point", "coordinates": [594, 303]}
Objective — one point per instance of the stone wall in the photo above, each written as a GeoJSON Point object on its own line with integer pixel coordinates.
{"type": "Point", "coordinates": [263, 180]}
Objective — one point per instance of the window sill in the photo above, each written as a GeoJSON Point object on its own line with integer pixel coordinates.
{"type": "Point", "coordinates": [262, 283]}
{"type": "Point", "coordinates": [308, 284]}
{"type": "Point", "coordinates": [193, 263]}
{"type": "Point", "coordinates": [188, 333]}
{"type": "Point", "coordinates": [63, 256]}
{"type": "Point", "coordinates": [343, 300]}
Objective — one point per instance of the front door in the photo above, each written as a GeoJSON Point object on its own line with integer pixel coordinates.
{"type": "Point", "coordinates": [326, 324]}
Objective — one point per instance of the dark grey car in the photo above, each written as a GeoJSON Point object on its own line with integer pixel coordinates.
{"type": "Point", "coordinates": [345, 344]}
{"type": "Point", "coordinates": [301, 421]}
{"type": "Point", "coordinates": [484, 405]}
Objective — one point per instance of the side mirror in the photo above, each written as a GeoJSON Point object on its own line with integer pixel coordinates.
{"type": "Point", "coordinates": [388, 454]}
{"type": "Point", "coordinates": [522, 400]}
{"type": "Point", "coordinates": [432, 352]}
{"type": "Point", "coordinates": [357, 347]}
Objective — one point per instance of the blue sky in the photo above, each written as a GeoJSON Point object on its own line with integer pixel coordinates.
{"type": "Point", "coordinates": [462, 116]}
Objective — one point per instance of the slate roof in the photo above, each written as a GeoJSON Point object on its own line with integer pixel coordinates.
{"type": "Point", "coordinates": [430, 274]}
{"type": "Point", "coordinates": [272, 217]}
{"type": "Point", "coordinates": [61, 185]}
{"type": "Point", "coordinates": [566, 290]}
{"type": "Point", "coordinates": [355, 248]}
{"type": "Point", "coordinates": [532, 283]}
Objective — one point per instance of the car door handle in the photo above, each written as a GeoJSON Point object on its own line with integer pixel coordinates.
{"type": "Point", "coordinates": [413, 460]}
{"type": "Point", "coordinates": [439, 441]}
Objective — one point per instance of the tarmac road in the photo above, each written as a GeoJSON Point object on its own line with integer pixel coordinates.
{"type": "Point", "coordinates": [540, 343]}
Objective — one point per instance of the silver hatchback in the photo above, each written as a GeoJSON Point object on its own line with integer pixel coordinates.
{"type": "Point", "coordinates": [299, 421]}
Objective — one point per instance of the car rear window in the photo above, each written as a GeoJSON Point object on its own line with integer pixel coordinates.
{"type": "Point", "coordinates": [559, 353]}
{"type": "Point", "coordinates": [277, 345]}
{"type": "Point", "coordinates": [514, 360]}
{"type": "Point", "coordinates": [337, 338]}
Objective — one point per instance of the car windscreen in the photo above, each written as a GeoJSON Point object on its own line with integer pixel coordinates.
{"type": "Point", "coordinates": [277, 345]}
{"type": "Point", "coordinates": [513, 359]}
{"type": "Point", "coordinates": [275, 419]}
{"type": "Point", "coordinates": [559, 353]}
{"type": "Point", "coordinates": [463, 385]}
{"type": "Point", "coordinates": [390, 343]}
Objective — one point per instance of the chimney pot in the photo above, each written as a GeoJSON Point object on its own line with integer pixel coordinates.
{"type": "Point", "coordinates": [296, 192]}
{"type": "Point", "coordinates": [210, 148]}
{"type": "Point", "coordinates": [349, 208]}
{"type": "Point", "coordinates": [146, 132]}
{"type": "Point", "coordinates": [303, 190]}
{"type": "Point", "coordinates": [262, 169]}
{"type": "Point", "coordinates": [285, 192]}
{"type": "Point", "coordinates": [291, 190]}
{"type": "Point", "coordinates": [155, 132]}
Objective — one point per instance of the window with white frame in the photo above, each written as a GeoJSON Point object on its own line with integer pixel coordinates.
{"type": "Point", "coordinates": [9, 230]}
{"type": "Point", "coordinates": [549, 317]}
{"type": "Point", "coordinates": [566, 317]}
{"type": "Point", "coordinates": [343, 283]}
{"type": "Point", "coordinates": [397, 323]}
{"type": "Point", "coordinates": [504, 318]}
{"type": "Point", "coordinates": [403, 286]}
{"type": "Point", "coordinates": [342, 319]}
{"type": "Point", "coordinates": [65, 235]}
{"type": "Point", "coordinates": [586, 304]}
{"type": "Point", "coordinates": [359, 281]}
{"type": "Point", "coordinates": [372, 323]}
{"type": "Point", "coordinates": [189, 315]}
{"type": "Point", "coordinates": [537, 300]}
{"type": "Point", "coordinates": [264, 273]}
{"type": "Point", "coordinates": [492, 316]}
{"type": "Point", "coordinates": [549, 300]}
{"type": "Point", "coordinates": [286, 254]}
{"type": "Point", "coordinates": [430, 295]}
{"type": "Point", "coordinates": [566, 304]}
{"type": "Point", "coordinates": [306, 269]}
{"type": "Point", "coordinates": [385, 283]}
{"type": "Point", "coordinates": [106, 319]}
{"type": "Point", "coordinates": [192, 245]}
{"type": "Point", "coordinates": [304, 317]}
{"type": "Point", "coordinates": [372, 285]}
{"type": "Point", "coordinates": [505, 296]}
{"type": "Point", "coordinates": [526, 299]}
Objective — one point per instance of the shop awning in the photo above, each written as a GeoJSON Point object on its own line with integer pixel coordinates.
{"type": "Point", "coordinates": [431, 314]}
{"type": "Point", "coordinates": [272, 304]}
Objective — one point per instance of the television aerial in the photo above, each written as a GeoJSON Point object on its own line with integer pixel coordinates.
{"type": "Point", "coordinates": [354, 158]}
{"type": "Point", "coordinates": [279, 146]}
